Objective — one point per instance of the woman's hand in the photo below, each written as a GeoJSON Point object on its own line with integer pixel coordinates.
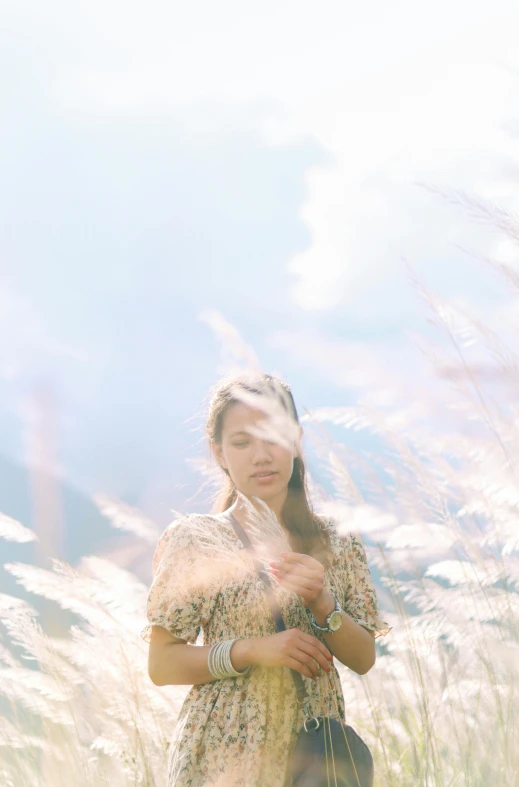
{"type": "Point", "coordinates": [302, 574]}
{"type": "Point", "coordinates": [292, 648]}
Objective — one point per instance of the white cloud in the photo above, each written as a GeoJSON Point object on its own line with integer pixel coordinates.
{"type": "Point", "coordinates": [391, 92]}
{"type": "Point", "coordinates": [363, 215]}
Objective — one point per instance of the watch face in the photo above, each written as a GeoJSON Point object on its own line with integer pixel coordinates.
{"type": "Point", "coordinates": [335, 620]}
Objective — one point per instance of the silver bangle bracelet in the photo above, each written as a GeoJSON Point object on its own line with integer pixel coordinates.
{"type": "Point", "coordinates": [219, 660]}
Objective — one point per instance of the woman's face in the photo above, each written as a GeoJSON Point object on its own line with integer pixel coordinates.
{"type": "Point", "coordinates": [253, 444]}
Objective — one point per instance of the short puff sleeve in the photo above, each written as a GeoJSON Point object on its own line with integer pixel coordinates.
{"type": "Point", "coordinates": [182, 595]}
{"type": "Point", "coordinates": [359, 597]}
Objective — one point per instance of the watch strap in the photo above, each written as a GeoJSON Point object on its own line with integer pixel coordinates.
{"type": "Point", "coordinates": [326, 628]}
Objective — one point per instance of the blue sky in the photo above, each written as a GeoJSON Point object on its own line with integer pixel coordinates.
{"type": "Point", "coordinates": [161, 161]}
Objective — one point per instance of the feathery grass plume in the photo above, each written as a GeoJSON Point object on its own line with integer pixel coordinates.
{"type": "Point", "coordinates": [267, 537]}
{"type": "Point", "coordinates": [90, 702]}
{"type": "Point", "coordinates": [487, 213]}
{"type": "Point", "coordinates": [125, 517]}
{"type": "Point", "coordinates": [11, 530]}
{"type": "Point", "coordinates": [237, 355]}
{"type": "Point", "coordinates": [217, 558]}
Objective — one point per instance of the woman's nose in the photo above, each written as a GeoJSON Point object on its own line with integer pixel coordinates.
{"type": "Point", "coordinates": [261, 451]}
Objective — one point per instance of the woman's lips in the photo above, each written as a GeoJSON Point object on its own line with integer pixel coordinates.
{"type": "Point", "coordinates": [264, 479]}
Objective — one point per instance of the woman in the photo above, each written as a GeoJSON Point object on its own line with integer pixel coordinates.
{"type": "Point", "coordinates": [238, 729]}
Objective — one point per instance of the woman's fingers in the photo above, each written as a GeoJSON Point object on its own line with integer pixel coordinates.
{"type": "Point", "coordinates": [316, 656]}
{"type": "Point", "coordinates": [307, 660]}
{"type": "Point", "coordinates": [299, 569]}
{"type": "Point", "coordinates": [297, 557]}
{"type": "Point", "coordinates": [316, 643]}
{"type": "Point", "coordinates": [299, 667]}
{"type": "Point", "coordinates": [294, 584]}
{"type": "Point", "coordinates": [313, 660]}
{"type": "Point", "coordinates": [304, 652]}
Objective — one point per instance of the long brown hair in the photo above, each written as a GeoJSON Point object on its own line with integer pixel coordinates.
{"type": "Point", "coordinates": [306, 528]}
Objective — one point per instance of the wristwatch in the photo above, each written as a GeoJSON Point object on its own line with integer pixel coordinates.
{"type": "Point", "coordinates": [333, 620]}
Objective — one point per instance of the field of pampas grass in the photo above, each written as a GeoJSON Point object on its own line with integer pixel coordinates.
{"type": "Point", "coordinates": [437, 504]}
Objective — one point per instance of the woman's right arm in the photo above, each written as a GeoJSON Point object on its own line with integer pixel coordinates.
{"type": "Point", "coordinates": [172, 661]}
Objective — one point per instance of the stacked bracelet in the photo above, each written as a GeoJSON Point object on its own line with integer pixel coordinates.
{"type": "Point", "coordinates": [219, 660]}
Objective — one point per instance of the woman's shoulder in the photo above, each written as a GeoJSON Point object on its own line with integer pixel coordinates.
{"type": "Point", "coordinates": [343, 538]}
{"type": "Point", "coordinates": [338, 526]}
{"type": "Point", "coordinates": [189, 535]}
{"type": "Point", "coordinates": [331, 524]}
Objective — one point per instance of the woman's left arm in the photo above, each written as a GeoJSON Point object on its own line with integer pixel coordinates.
{"type": "Point", "coordinates": [352, 644]}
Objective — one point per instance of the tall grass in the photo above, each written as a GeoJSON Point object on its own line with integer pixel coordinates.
{"type": "Point", "coordinates": [437, 504]}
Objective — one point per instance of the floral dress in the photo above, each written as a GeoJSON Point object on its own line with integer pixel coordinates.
{"type": "Point", "coordinates": [239, 732]}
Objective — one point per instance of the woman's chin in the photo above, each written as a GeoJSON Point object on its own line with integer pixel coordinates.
{"type": "Point", "coordinates": [263, 491]}
{"type": "Point", "coordinates": [264, 494]}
